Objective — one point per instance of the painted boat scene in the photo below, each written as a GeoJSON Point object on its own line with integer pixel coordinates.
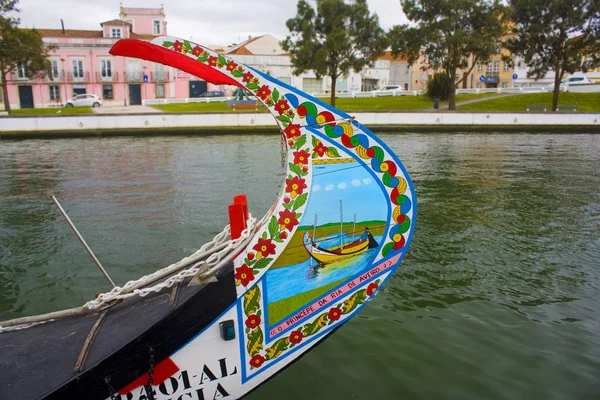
{"type": "Point", "coordinates": [323, 255]}
{"type": "Point", "coordinates": [224, 205]}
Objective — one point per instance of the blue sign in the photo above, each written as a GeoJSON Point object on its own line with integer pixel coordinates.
{"type": "Point", "coordinates": [515, 76]}
{"type": "Point", "coordinates": [482, 78]}
{"type": "Point", "coordinates": [145, 78]}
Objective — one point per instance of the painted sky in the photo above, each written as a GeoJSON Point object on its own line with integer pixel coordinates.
{"type": "Point", "coordinates": [351, 183]}
{"type": "Point", "coordinates": [210, 22]}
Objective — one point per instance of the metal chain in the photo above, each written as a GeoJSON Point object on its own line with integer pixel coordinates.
{"type": "Point", "coordinates": [148, 386]}
{"type": "Point", "coordinates": [112, 389]}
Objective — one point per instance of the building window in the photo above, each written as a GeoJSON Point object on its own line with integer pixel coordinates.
{"type": "Point", "coordinates": [21, 71]}
{"type": "Point", "coordinates": [105, 68]}
{"type": "Point", "coordinates": [77, 69]}
{"type": "Point", "coordinates": [115, 32]}
{"type": "Point", "coordinates": [312, 85]}
{"type": "Point", "coordinates": [504, 85]}
{"type": "Point", "coordinates": [54, 69]}
{"type": "Point", "coordinates": [489, 68]}
{"type": "Point", "coordinates": [496, 67]}
{"type": "Point", "coordinates": [160, 90]}
{"type": "Point", "coordinates": [505, 66]}
{"type": "Point", "coordinates": [479, 67]}
{"type": "Point", "coordinates": [107, 92]}
{"type": "Point", "coordinates": [54, 92]}
{"type": "Point", "coordinates": [478, 86]}
{"type": "Point", "coordinates": [156, 27]}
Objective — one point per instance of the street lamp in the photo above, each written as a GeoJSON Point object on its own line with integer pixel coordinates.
{"type": "Point", "coordinates": [64, 78]}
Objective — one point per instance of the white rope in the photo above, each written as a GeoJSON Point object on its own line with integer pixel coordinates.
{"type": "Point", "coordinates": [132, 288]}
{"type": "Point", "coordinates": [206, 261]}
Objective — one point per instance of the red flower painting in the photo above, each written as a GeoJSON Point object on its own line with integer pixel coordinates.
{"type": "Point", "coordinates": [301, 158]}
{"type": "Point", "coordinates": [296, 337]}
{"type": "Point", "coordinates": [282, 106]}
{"type": "Point", "coordinates": [264, 92]}
{"type": "Point", "coordinates": [257, 361]}
{"type": "Point", "coordinates": [292, 131]}
{"type": "Point", "coordinates": [247, 77]}
{"type": "Point", "coordinates": [253, 321]}
{"type": "Point", "coordinates": [320, 149]}
{"type": "Point", "coordinates": [372, 288]}
{"type": "Point", "coordinates": [287, 220]}
{"type": "Point", "coordinates": [178, 46]}
{"type": "Point", "coordinates": [244, 274]}
{"type": "Point", "coordinates": [197, 51]}
{"type": "Point", "coordinates": [231, 66]}
{"type": "Point", "coordinates": [334, 314]}
{"type": "Point", "coordinates": [213, 61]}
{"type": "Point", "coordinates": [295, 186]}
{"type": "Point", "coordinates": [264, 248]}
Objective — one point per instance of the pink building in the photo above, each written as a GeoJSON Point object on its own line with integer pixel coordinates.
{"type": "Point", "coordinates": [82, 64]}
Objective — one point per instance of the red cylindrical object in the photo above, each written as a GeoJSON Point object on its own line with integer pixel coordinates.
{"type": "Point", "coordinates": [237, 222]}
{"type": "Point", "coordinates": [241, 199]}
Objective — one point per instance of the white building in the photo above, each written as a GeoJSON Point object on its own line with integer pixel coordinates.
{"type": "Point", "coordinates": [266, 54]}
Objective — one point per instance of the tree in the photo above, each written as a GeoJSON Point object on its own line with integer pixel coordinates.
{"type": "Point", "coordinates": [559, 35]}
{"type": "Point", "coordinates": [19, 48]}
{"type": "Point", "coordinates": [451, 34]}
{"type": "Point", "coordinates": [335, 38]}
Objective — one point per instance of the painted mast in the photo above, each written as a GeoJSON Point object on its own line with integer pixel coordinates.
{"type": "Point", "coordinates": [341, 227]}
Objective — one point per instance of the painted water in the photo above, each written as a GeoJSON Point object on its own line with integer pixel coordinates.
{"type": "Point", "coordinates": [309, 275]}
{"type": "Point", "coordinates": [498, 296]}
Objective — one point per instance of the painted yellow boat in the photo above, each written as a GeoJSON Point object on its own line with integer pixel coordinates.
{"type": "Point", "coordinates": [328, 255]}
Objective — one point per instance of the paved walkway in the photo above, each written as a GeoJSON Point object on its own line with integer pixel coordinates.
{"type": "Point", "coordinates": [125, 110]}
{"type": "Point", "coordinates": [463, 103]}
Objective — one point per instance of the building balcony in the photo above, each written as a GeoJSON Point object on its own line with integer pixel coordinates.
{"type": "Point", "coordinates": [134, 76]}
{"type": "Point", "coordinates": [160, 76]}
{"type": "Point", "coordinates": [83, 77]}
{"type": "Point", "coordinates": [114, 77]}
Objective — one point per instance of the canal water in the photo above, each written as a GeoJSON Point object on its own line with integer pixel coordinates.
{"type": "Point", "coordinates": [497, 298]}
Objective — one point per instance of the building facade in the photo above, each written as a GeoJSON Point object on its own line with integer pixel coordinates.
{"type": "Point", "coordinates": [82, 65]}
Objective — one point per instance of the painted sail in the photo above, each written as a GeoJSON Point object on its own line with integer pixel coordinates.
{"type": "Point", "coordinates": [295, 281]}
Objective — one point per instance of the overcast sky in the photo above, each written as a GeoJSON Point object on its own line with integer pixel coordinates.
{"type": "Point", "coordinates": [219, 22]}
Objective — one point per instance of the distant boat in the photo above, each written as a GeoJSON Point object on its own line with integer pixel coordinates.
{"type": "Point", "coordinates": [328, 255]}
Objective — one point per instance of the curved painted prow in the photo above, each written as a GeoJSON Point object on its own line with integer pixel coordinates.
{"type": "Point", "coordinates": [341, 182]}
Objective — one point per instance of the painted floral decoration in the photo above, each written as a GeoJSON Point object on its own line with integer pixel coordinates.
{"type": "Point", "coordinates": [244, 275]}
{"type": "Point", "coordinates": [264, 248]}
{"type": "Point", "coordinates": [253, 321]}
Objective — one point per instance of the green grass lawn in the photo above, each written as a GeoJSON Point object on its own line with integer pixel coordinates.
{"type": "Point", "coordinates": [399, 103]}
{"type": "Point", "coordinates": [52, 111]}
{"type": "Point", "coordinates": [282, 308]}
{"type": "Point", "coordinates": [585, 102]}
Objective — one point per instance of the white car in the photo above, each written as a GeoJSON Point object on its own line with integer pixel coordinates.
{"type": "Point", "coordinates": [576, 80]}
{"type": "Point", "coordinates": [389, 90]}
{"type": "Point", "coordinates": [572, 80]}
{"type": "Point", "coordinates": [84, 100]}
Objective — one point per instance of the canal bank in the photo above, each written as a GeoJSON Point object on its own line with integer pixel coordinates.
{"type": "Point", "coordinates": [48, 126]}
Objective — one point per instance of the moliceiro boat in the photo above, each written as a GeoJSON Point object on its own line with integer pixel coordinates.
{"type": "Point", "coordinates": [206, 327]}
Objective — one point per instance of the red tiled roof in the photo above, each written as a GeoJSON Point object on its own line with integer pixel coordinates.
{"type": "Point", "coordinates": [69, 33]}
{"type": "Point", "coordinates": [115, 22]}
{"type": "Point", "coordinates": [241, 48]}
{"type": "Point", "coordinates": [145, 36]}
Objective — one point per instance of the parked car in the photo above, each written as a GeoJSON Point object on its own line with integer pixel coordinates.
{"type": "Point", "coordinates": [573, 80]}
{"type": "Point", "coordinates": [576, 80]}
{"type": "Point", "coordinates": [84, 100]}
{"type": "Point", "coordinates": [389, 89]}
{"type": "Point", "coordinates": [212, 93]}
{"type": "Point", "coordinates": [345, 91]}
